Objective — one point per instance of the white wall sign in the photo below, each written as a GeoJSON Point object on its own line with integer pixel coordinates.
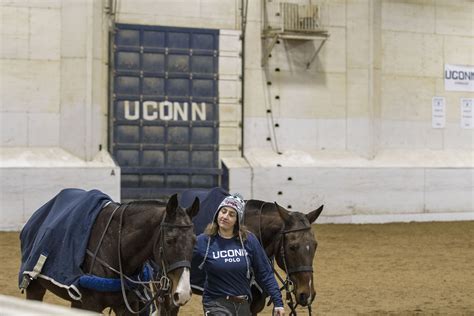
{"type": "Point", "coordinates": [467, 119]}
{"type": "Point", "coordinates": [438, 111]}
{"type": "Point", "coordinates": [458, 78]}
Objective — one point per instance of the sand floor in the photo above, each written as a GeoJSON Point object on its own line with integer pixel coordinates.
{"type": "Point", "coordinates": [407, 269]}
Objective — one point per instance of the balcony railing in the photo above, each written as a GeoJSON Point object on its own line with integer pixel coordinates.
{"type": "Point", "coordinates": [291, 17]}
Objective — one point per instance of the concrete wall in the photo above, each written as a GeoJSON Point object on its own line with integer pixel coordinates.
{"type": "Point", "coordinates": [30, 74]}
{"type": "Point", "coordinates": [53, 108]}
{"type": "Point", "coordinates": [413, 57]}
{"type": "Point", "coordinates": [370, 87]}
{"type": "Point", "coordinates": [54, 100]}
{"type": "Point", "coordinates": [54, 75]}
{"type": "Point", "coordinates": [354, 129]}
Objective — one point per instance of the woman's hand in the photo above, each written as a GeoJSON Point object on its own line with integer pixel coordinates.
{"type": "Point", "coordinates": [279, 311]}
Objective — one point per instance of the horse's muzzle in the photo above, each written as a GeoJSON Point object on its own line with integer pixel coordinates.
{"type": "Point", "coordinates": [304, 299]}
{"type": "Point", "coordinates": [180, 299]}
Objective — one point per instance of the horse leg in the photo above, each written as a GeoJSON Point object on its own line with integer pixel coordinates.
{"type": "Point", "coordinates": [258, 301]}
{"type": "Point", "coordinates": [122, 310]}
{"type": "Point", "coordinates": [167, 309]}
{"type": "Point", "coordinates": [35, 291]}
{"type": "Point", "coordinates": [94, 301]}
{"type": "Point", "coordinates": [76, 304]}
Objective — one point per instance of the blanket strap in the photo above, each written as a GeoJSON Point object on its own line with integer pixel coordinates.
{"type": "Point", "coordinates": [38, 266]}
{"type": "Point", "coordinates": [28, 277]}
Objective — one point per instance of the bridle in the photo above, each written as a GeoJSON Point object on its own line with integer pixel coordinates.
{"type": "Point", "coordinates": [177, 264]}
{"type": "Point", "coordinates": [288, 285]}
{"type": "Point", "coordinates": [163, 286]}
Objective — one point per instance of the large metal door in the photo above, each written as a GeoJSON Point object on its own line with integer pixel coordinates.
{"type": "Point", "coordinates": [164, 122]}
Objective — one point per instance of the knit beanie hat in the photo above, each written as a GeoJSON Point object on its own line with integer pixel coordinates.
{"type": "Point", "coordinates": [236, 202]}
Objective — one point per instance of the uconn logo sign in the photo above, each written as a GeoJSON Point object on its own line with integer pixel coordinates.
{"type": "Point", "coordinates": [458, 78]}
{"type": "Point", "coordinates": [165, 111]}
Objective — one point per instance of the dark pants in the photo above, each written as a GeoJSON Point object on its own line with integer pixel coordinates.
{"type": "Point", "coordinates": [223, 307]}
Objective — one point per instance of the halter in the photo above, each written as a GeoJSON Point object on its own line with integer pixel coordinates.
{"type": "Point", "coordinates": [164, 284]}
{"type": "Point", "coordinates": [287, 283]}
{"type": "Point", "coordinates": [177, 264]}
{"type": "Point", "coordinates": [299, 268]}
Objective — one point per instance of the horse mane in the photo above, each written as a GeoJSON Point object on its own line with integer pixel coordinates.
{"type": "Point", "coordinates": [148, 203]}
{"type": "Point", "coordinates": [147, 206]}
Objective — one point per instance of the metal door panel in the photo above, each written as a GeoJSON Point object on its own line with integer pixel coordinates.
{"type": "Point", "coordinates": [153, 63]}
{"type": "Point", "coordinates": [164, 122]}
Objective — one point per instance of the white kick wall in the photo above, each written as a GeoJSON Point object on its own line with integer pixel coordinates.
{"type": "Point", "coordinates": [354, 130]}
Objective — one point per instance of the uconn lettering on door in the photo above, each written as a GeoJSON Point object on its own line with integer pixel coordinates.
{"type": "Point", "coordinates": [165, 111]}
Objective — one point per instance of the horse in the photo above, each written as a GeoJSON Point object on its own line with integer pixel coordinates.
{"type": "Point", "coordinates": [285, 236]}
{"type": "Point", "coordinates": [123, 237]}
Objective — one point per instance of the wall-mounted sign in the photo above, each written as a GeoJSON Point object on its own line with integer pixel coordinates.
{"type": "Point", "coordinates": [438, 111]}
{"type": "Point", "coordinates": [458, 78]}
{"type": "Point", "coordinates": [467, 118]}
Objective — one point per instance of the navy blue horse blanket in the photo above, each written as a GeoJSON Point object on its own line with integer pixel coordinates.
{"type": "Point", "coordinates": [209, 200]}
{"type": "Point", "coordinates": [54, 240]}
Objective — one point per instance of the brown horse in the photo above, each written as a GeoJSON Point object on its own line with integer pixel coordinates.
{"type": "Point", "coordinates": [123, 238]}
{"type": "Point", "coordinates": [287, 237]}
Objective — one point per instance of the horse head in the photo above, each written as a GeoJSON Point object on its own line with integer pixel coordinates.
{"type": "Point", "coordinates": [297, 248]}
{"type": "Point", "coordinates": [173, 251]}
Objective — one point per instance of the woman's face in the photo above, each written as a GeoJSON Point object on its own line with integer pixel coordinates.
{"type": "Point", "coordinates": [226, 218]}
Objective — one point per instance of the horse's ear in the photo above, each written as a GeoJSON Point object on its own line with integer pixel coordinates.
{"type": "Point", "coordinates": [312, 216]}
{"type": "Point", "coordinates": [284, 214]}
{"type": "Point", "coordinates": [172, 204]}
{"type": "Point", "coordinates": [193, 209]}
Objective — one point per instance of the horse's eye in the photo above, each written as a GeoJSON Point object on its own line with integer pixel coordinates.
{"type": "Point", "coordinates": [294, 247]}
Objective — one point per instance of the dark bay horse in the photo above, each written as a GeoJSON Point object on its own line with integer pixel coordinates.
{"type": "Point", "coordinates": [287, 237]}
{"type": "Point", "coordinates": [123, 238]}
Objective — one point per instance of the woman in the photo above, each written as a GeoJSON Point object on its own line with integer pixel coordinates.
{"type": "Point", "coordinates": [228, 253]}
